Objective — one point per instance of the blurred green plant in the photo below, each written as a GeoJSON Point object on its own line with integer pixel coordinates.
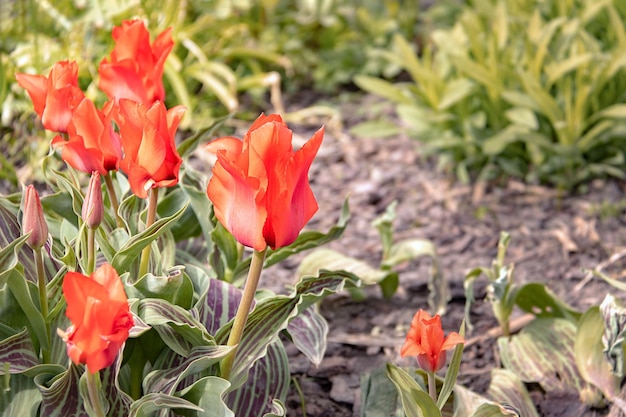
{"type": "Point", "coordinates": [394, 254]}
{"type": "Point", "coordinates": [529, 89]}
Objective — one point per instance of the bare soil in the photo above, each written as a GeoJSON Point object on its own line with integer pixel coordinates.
{"type": "Point", "coordinates": [556, 239]}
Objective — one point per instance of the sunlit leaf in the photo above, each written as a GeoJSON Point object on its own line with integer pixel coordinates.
{"type": "Point", "coordinates": [415, 401]}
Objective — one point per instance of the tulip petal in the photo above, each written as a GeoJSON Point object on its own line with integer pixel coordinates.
{"type": "Point", "coordinates": [235, 203]}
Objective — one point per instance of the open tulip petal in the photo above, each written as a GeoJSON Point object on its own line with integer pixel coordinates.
{"type": "Point", "coordinates": [264, 175]}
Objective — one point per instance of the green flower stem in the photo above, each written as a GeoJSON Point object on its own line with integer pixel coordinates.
{"type": "Point", "coordinates": [252, 282]}
{"type": "Point", "coordinates": [43, 299]}
{"type": "Point", "coordinates": [432, 386]}
{"type": "Point", "coordinates": [153, 198]}
{"type": "Point", "coordinates": [91, 251]}
{"type": "Point", "coordinates": [93, 381]}
{"type": "Point", "coordinates": [113, 197]}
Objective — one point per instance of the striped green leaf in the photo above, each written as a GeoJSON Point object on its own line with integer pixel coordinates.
{"type": "Point", "coordinates": [543, 352]}
{"type": "Point", "coordinates": [178, 329]}
{"type": "Point", "coordinates": [308, 332]}
{"type": "Point", "coordinates": [152, 403]}
{"type": "Point", "coordinates": [272, 315]}
{"type": "Point", "coordinates": [60, 393]}
{"type": "Point", "coordinates": [268, 381]}
{"type": "Point", "coordinates": [208, 393]}
{"type": "Point", "coordinates": [506, 388]}
{"type": "Point", "coordinates": [415, 401]}
{"type": "Point", "coordinates": [133, 247]}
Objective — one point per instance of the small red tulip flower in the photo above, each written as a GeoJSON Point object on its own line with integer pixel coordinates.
{"type": "Point", "coordinates": [33, 220]}
{"type": "Point", "coordinates": [101, 320]}
{"type": "Point", "coordinates": [147, 133]}
{"type": "Point", "coordinates": [135, 68]}
{"type": "Point", "coordinates": [425, 340]}
{"type": "Point", "coordinates": [93, 207]}
{"type": "Point", "coordinates": [92, 143]}
{"type": "Point", "coordinates": [260, 188]}
{"type": "Point", "coordinates": [54, 96]}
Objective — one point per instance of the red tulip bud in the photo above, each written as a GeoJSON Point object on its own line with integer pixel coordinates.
{"type": "Point", "coordinates": [93, 208]}
{"type": "Point", "coordinates": [33, 220]}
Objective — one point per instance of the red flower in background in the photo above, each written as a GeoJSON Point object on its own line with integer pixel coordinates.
{"type": "Point", "coordinates": [135, 68]}
{"type": "Point", "coordinates": [147, 134]}
{"type": "Point", "coordinates": [54, 96]}
{"type": "Point", "coordinates": [93, 144]}
{"type": "Point", "coordinates": [101, 320]}
{"type": "Point", "coordinates": [425, 340]}
{"type": "Point", "coordinates": [260, 188]}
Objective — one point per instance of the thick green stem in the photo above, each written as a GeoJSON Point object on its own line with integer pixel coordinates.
{"type": "Point", "coordinates": [153, 198]}
{"type": "Point", "coordinates": [91, 251]}
{"type": "Point", "coordinates": [93, 382]}
{"type": "Point", "coordinates": [113, 199]}
{"type": "Point", "coordinates": [252, 282]}
{"type": "Point", "coordinates": [432, 386]}
{"type": "Point", "coordinates": [43, 299]}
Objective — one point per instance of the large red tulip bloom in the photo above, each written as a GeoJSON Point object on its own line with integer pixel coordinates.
{"type": "Point", "coordinates": [260, 187]}
{"type": "Point", "coordinates": [54, 96]}
{"type": "Point", "coordinates": [425, 340]}
{"type": "Point", "coordinates": [147, 133]}
{"type": "Point", "coordinates": [135, 68]}
{"type": "Point", "coordinates": [101, 320]}
{"type": "Point", "coordinates": [93, 144]}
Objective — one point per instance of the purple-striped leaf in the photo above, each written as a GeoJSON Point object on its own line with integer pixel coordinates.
{"type": "Point", "coordinates": [543, 352]}
{"type": "Point", "coordinates": [19, 396]}
{"type": "Point", "coordinates": [308, 332]}
{"type": "Point", "coordinates": [18, 352]}
{"type": "Point", "coordinates": [268, 380]}
{"type": "Point", "coordinates": [60, 393]}
{"type": "Point", "coordinates": [208, 393]}
{"type": "Point", "coordinates": [172, 370]}
{"type": "Point", "coordinates": [272, 315]}
{"type": "Point", "coordinates": [175, 325]}
{"type": "Point", "coordinates": [131, 250]}
{"type": "Point", "coordinates": [152, 403]}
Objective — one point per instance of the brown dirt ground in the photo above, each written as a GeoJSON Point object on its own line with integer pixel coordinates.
{"type": "Point", "coordinates": [555, 239]}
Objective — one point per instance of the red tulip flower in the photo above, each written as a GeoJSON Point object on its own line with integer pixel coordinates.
{"type": "Point", "coordinates": [101, 320]}
{"type": "Point", "coordinates": [135, 68]}
{"type": "Point", "coordinates": [425, 340]}
{"type": "Point", "coordinates": [54, 96]}
{"type": "Point", "coordinates": [147, 133]}
{"type": "Point", "coordinates": [93, 144]}
{"type": "Point", "coordinates": [260, 188]}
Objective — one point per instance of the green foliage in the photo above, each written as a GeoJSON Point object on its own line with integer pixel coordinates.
{"type": "Point", "coordinates": [528, 89]}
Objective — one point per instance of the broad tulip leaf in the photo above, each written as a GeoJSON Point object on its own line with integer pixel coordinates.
{"type": "Point", "coordinates": [506, 388]}
{"type": "Point", "coordinates": [193, 187]}
{"type": "Point", "coordinates": [268, 380]}
{"type": "Point", "coordinates": [538, 299]}
{"type": "Point", "coordinates": [133, 247]}
{"type": "Point", "coordinates": [543, 352]}
{"type": "Point", "coordinates": [334, 261]}
{"type": "Point", "coordinates": [452, 372]}
{"type": "Point", "coordinates": [178, 329]}
{"type": "Point", "coordinates": [18, 353]}
{"type": "Point", "coordinates": [415, 401]}
{"type": "Point", "coordinates": [60, 393]}
{"type": "Point", "coordinates": [379, 396]}
{"type": "Point", "coordinates": [308, 332]}
{"type": "Point", "coordinates": [277, 410]}
{"type": "Point", "coordinates": [272, 315]}
{"type": "Point", "coordinates": [456, 90]}
{"type": "Point", "coordinates": [208, 394]}
{"type": "Point", "coordinates": [411, 249]}
{"type": "Point", "coordinates": [172, 370]}
{"type": "Point", "coordinates": [152, 403]}
{"type": "Point", "coordinates": [176, 288]}
{"type": "Point", "coordinates": [24, 296]}
{"type": "Point", "coordinates": [590, 358]}
{"type": "Point", "coordinates": [19, 396]}
{"type": "Point", "coordinates": [522, 116]}
{"type": "Point", "coordinates": [187, 225]}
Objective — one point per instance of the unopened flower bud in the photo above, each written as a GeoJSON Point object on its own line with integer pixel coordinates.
{"type": "Point", "coordinates": [93, 208]}
{"type": "Point", "coordinates": [33, 221]}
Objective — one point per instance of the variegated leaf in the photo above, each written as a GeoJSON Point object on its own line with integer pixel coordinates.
{"type": "Point", "coordinates": [308, 332]}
